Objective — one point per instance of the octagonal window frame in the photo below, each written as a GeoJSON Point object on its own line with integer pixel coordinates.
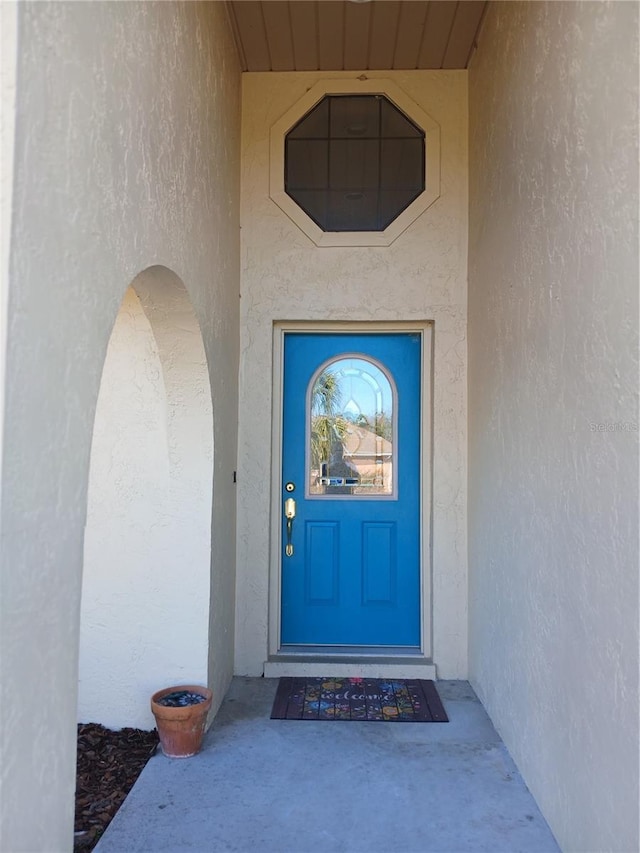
{"type": "Point", "coordinates": [302, 107]}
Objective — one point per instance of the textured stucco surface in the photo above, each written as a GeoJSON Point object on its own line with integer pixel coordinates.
{"type": "Point", "coordinates": [8, 69]}
{"type": "Point", "coordinates": [553, 419]}
{"type": "Point", "coordinates": [126, 156]}
{"type": "Point", "coordinates": [147, 544]}
{"type": "Point", "coordinates": [421, 276]}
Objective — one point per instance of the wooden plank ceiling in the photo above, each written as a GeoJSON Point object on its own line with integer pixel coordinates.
{"type": "Point", "coordinates": [332, 35]}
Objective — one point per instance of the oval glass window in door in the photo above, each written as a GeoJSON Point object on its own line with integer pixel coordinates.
{"type": "Point", "coordinates": [351, 430]}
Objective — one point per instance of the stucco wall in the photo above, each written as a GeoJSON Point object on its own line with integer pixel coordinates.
{"type": "Point", "coordinates": [126, 156]}
{"type": "Point", "coordinates": [8, 69]}
{"type": "Point", "coordinates": [553, 419]}
{"type": "Point", "coordinates": [147, 543]}
{"type": "Point", "coordinates": [422, 275]}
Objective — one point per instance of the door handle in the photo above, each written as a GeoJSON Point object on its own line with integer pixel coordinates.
{"type": "Point", "coordinates": [289, 514]}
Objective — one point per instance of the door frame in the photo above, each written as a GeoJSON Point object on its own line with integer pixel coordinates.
{"type": "Point", "coordinates": [425, 329]}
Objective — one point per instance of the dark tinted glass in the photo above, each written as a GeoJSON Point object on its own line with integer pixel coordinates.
{"type": "Point", "coordinates": [401, 164]}
{"type": "Point", "coordinates": [354, 117]}
{"type": "Point", "coordinates": [308, 164]}
{"type": "Point", "coordinates": [395, 123]}
{"type": "Point", "coordinates": [315, 125]}
{"type": "Point", "coordinates": [354, 163]}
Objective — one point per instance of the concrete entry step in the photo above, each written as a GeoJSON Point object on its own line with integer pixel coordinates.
{"type": "Point", "coordinates": [274, 786]}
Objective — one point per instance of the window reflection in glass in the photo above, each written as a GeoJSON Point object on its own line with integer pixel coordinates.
{"type": "Point", "coordinates": [351, 430]}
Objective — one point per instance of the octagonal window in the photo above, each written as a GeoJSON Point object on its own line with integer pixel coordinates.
{"type": "Point", "coordinates": [354, 162]}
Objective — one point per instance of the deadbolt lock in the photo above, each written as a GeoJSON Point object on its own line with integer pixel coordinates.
{"type": "Point", "coordinates": [290, 487]}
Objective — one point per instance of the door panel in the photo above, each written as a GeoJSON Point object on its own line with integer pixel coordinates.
{"type": "Point", "coordinates": [351, 448]}
{"type": "Point", "coordinates": [379, 563]}
{"type": "Point", "coordinates": [321, 563]}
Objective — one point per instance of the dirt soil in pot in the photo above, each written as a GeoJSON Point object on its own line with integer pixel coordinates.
{"type": "Point", "coordinates": [108, 764]}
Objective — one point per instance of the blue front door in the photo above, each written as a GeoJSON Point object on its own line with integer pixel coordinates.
{"type": "Point", "coordinates": [351, 464]}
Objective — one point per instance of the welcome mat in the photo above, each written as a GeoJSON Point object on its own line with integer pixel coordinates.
{"type": "Point", "coordinates": [379, 699]}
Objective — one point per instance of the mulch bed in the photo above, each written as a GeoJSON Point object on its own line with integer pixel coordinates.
{"type": "Point", "coordinates": [109, 762]}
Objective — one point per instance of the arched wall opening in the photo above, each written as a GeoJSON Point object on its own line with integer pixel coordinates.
{"type": "Point", "coordinates": [147, 552]}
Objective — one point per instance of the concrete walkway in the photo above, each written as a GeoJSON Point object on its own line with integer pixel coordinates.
{"type": "Point", "coordinates": [271, 786]}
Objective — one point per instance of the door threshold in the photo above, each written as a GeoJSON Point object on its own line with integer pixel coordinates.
{"type": "Point", "coordinates": [349, 662]}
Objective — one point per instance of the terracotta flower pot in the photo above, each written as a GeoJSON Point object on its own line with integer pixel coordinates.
{"type": "Point", "coordinates": [181, 729]}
